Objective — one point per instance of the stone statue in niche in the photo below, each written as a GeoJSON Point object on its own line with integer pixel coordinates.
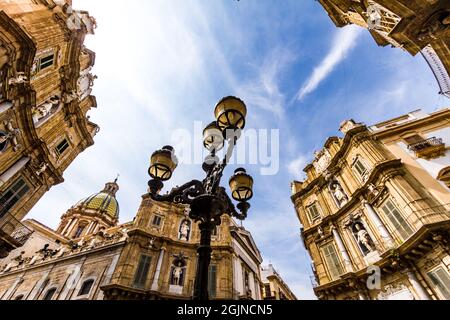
{"type": "Point", "coordinates": [45, 109]}
{"type": "Point", "coordinates": [185, 229]}
{"type": "Point", "coordinates": [177, 274]}
{"type": "Point", "coordinates": [338, 193]}
{"type": "Point", "coordinates": [321, 233]}
{"type": "Point", "coordinates": [365, 242]}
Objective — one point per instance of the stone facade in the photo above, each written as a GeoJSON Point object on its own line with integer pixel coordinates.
{"type": "Point", "coordinates": [91, 256]}
{"type": "Point", "coordinates": [274, 287]}
{"type": "Point", "coordinates": [375, 210]}
{"type": "Point", "coordinates": [413, 25]}
{"type": "Point", "coordinates": [45, 94]}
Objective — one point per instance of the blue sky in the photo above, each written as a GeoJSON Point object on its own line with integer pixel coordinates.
{"type": "Point", "coordinates": [164, 64]}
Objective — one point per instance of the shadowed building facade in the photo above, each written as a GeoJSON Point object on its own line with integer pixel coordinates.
{"type": "Point", "coordinates": [416, 26]}
{"type": "Point", "coordinates": [375, 210]}
{"type": "Point", "coordinates": [92, 257]}
{"type": "Point", "coordinates": [274, 287]}
{"type": "Point", "coordinates": [45, 94]}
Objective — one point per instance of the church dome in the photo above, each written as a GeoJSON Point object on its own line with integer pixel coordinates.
{"type": "Point", "coordinates": [104, 201]}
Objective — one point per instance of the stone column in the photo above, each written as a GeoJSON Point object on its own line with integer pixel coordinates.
{"type": "Point", "coordinates": [90, 227]}
{"type": "Point", "coordinates": [67, 226]}
{"type": "Point", "coordinates": [373, 216]}
{"type": "Point", "coordinates": [251, 281]}
{"type": "Point", "coordinates": [418, 288]}
{"type": "Point", "coordinates": [158, 270]}
{"type": "Point", "coordinates": [69, 229]}
{"type": "Point", "coordinates": [340, 244]}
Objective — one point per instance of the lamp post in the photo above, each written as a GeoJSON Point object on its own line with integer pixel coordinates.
{"type": "Point", "coordinates": [207, 199]}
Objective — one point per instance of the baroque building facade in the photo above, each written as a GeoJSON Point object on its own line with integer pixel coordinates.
{"type": "Point", "coordinates": [92, 257]}
{"type": "Point", "coordinates": [274, 287]}
{"type": "Point", "coordinates": [416, 26]}
{"type": "Point", "coordinates": [45, 94]}
{"type": "Point", "coordinates": [375, 210]}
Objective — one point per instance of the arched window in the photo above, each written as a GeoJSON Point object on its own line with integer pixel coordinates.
{"type": "Point", "coordinates": [79, 230]}
{"type": "Point", "coordinates": [19, 297]}
{"type": "Point", "coordinates": [50, 293]}
{"type": "Point", "coordinates": [86, 287]}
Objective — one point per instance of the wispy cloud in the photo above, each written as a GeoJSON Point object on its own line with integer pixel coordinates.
{"type": "Point", "coordinates": [344, 41]}
{"type": "Point", "coordinates": [264, 91]}
{"type": "Point", "coordinates": [296, 166]}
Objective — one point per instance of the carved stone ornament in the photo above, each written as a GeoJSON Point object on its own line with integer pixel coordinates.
{"type": "Point", "coordinates": [395, 292]}
{"type": "Point", "coordinates": [348, 125]}
{"type": "Point", "coordinates": [323, 159]}
{"type": "Point", "coordinates": [438, 23]}
{"type": "Point", "coordinates": [11, 135]}
{"type": "Point", "coordinates": [19, 78]}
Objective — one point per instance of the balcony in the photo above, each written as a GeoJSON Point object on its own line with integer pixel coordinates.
{"type": "Point", "coordinates": [429, 148]}
{"type": "Point", "coordinates": [13, 234]}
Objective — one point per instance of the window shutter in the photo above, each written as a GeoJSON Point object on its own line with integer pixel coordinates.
{"type": "Point", "coordinates": [142, 271]}
{"type": "Point", "coordinates": [212, 281]}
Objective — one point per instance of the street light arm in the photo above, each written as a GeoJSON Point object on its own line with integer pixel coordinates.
{"type": "Point", "coordinates": [232, 210]}
{"type": "Point", "coordinates": [183, 194]}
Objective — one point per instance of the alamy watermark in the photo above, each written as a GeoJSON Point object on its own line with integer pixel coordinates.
{"type": "Point", "coordinates": [254, 147]}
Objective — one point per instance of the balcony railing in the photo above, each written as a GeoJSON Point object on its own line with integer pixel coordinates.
{"type": "Point", "coordinates": [428, 148]}
{"type": "Point", "coordinates": [12, 231]}
{"type": "Point", "coordinates": [418, 218]}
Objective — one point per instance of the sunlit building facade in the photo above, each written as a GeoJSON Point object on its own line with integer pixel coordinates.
{"type": "Point", "coordinates": [45, 95]}
{"type": "Point", "coordinates": [375, 210]}
{"type": "Point", "coordinates": [274, 287]}
{"type": "Point", "coordinates": [90, 256]}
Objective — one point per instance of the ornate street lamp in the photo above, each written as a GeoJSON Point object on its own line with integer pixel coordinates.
{"type": "Point", "coordinates": [207, 200]}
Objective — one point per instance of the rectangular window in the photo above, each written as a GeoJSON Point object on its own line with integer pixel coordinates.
{"type": "Point", "coordinates": [441, 281]}
{"type": "Point", "coordinates": [62, 146]}
{"type": "Point", "coordinates": [313, 213]}
{"type": "Point", "coordinates": [360, 167]}
{"type": "Point", "coordinates": [395, 217]}
{"type": "Point", "coordinates": [212, 281]}
{"type": "Point", "coordinates": [414, 139]}
{"type": "Point", "coordinates": [332, 261]}
{"type": "Point", "coordinates": [141, 274]}
{"type": "Point", "coordinates": [46, 62]}
{"type": "Point", "coordinates": [157, 221]}
{"type": "Point", "coordinates": [267, 291]}
{"type": "Point", "coordinates": [12, 195]}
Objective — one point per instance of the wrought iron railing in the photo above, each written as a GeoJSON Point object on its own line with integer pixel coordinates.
{"type": "Point", "coordinates": [11, 227]}
{"type": "Point", "coordinates": [424, 144]}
